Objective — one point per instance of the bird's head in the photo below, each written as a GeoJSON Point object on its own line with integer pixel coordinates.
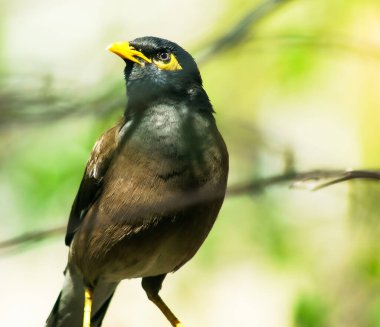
{"type": "Point", "coordinates": [157, 66]}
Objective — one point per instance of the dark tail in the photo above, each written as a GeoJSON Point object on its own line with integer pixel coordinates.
{"type": "Point", "coordinates": [68, 309]}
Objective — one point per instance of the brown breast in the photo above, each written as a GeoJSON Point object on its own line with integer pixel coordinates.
{"type": "Point", "coordinates": [153, 213]}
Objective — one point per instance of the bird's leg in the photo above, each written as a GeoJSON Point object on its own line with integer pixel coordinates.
{"type": "Point", "coordinates": [152, 286]}
{"type": "Point", "coordinates": [88, 293]}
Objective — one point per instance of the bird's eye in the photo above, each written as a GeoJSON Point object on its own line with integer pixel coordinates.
{"type": "Point", "coordinates": [166, 61]}
{"type": "Point", "coordinates": [163, 56]}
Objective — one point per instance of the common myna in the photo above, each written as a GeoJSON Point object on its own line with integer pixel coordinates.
{"type": "Point", "coordinates": [152, 188]}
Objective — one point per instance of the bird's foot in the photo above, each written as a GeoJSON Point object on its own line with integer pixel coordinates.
{"type": "Point", "coordinates": [88, 293]}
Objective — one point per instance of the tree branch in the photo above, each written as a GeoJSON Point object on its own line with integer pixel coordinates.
{"type": "Point", "coordinates": [239, 31]}
{"type": "Point", "coordinates": [317, 178]}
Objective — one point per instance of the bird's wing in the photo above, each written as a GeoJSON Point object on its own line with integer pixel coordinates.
{"type": "Point", "coordinates": [91, 184]}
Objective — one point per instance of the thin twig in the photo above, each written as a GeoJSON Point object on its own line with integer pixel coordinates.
{"type": "Point", "coordinates": [239, 31]}
{"type": "Point", "coordinates": [254, 187]}
{"type": "Point", "coordinates": [335, 42]}
{"type": "Point", "coordinates": [349, 175]}
{"type": "Point", "coordinates": [31, 237]}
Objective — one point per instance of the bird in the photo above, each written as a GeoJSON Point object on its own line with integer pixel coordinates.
{"type": "Point", "coordinates": [152, 187]}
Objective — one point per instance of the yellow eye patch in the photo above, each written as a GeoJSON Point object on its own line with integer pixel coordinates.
{"type": "Point", "coordinates": [167, 61]}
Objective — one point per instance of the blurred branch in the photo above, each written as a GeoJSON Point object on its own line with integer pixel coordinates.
{"type": "Point", "coordinates": [312, 180]}
{"type": "Point", "coordinates": [349, 175]}
{"type": "Point", "coordinates": [238, 33]}
{"type": "Point", "coordinates": [259, 185]}
{"type": "Point", "coordinates": [335, 42]}
{"type": "Point", "coordinates": [32, 237]}
{"type": "Point", "coordinates": [36, 107]}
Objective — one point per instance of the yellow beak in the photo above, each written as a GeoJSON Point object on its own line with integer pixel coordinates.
{"type": "Point", "coordinates": [126, 51]}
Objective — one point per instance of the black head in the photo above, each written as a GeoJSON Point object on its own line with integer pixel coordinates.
{"type": "Point", "coordinates": [157, 66]}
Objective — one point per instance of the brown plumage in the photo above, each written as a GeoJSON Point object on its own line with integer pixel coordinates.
{"type": "Point", "coordinates": [153, 185]}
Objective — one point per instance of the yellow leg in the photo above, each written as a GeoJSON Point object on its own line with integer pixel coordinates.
{"type": "Point", "coordinates": [156, 299]}
{"type": "Point", "coordinates": [88, 292]}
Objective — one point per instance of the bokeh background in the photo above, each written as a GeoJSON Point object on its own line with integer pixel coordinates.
{"type": "Point", "coordinates": [298, 90]}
